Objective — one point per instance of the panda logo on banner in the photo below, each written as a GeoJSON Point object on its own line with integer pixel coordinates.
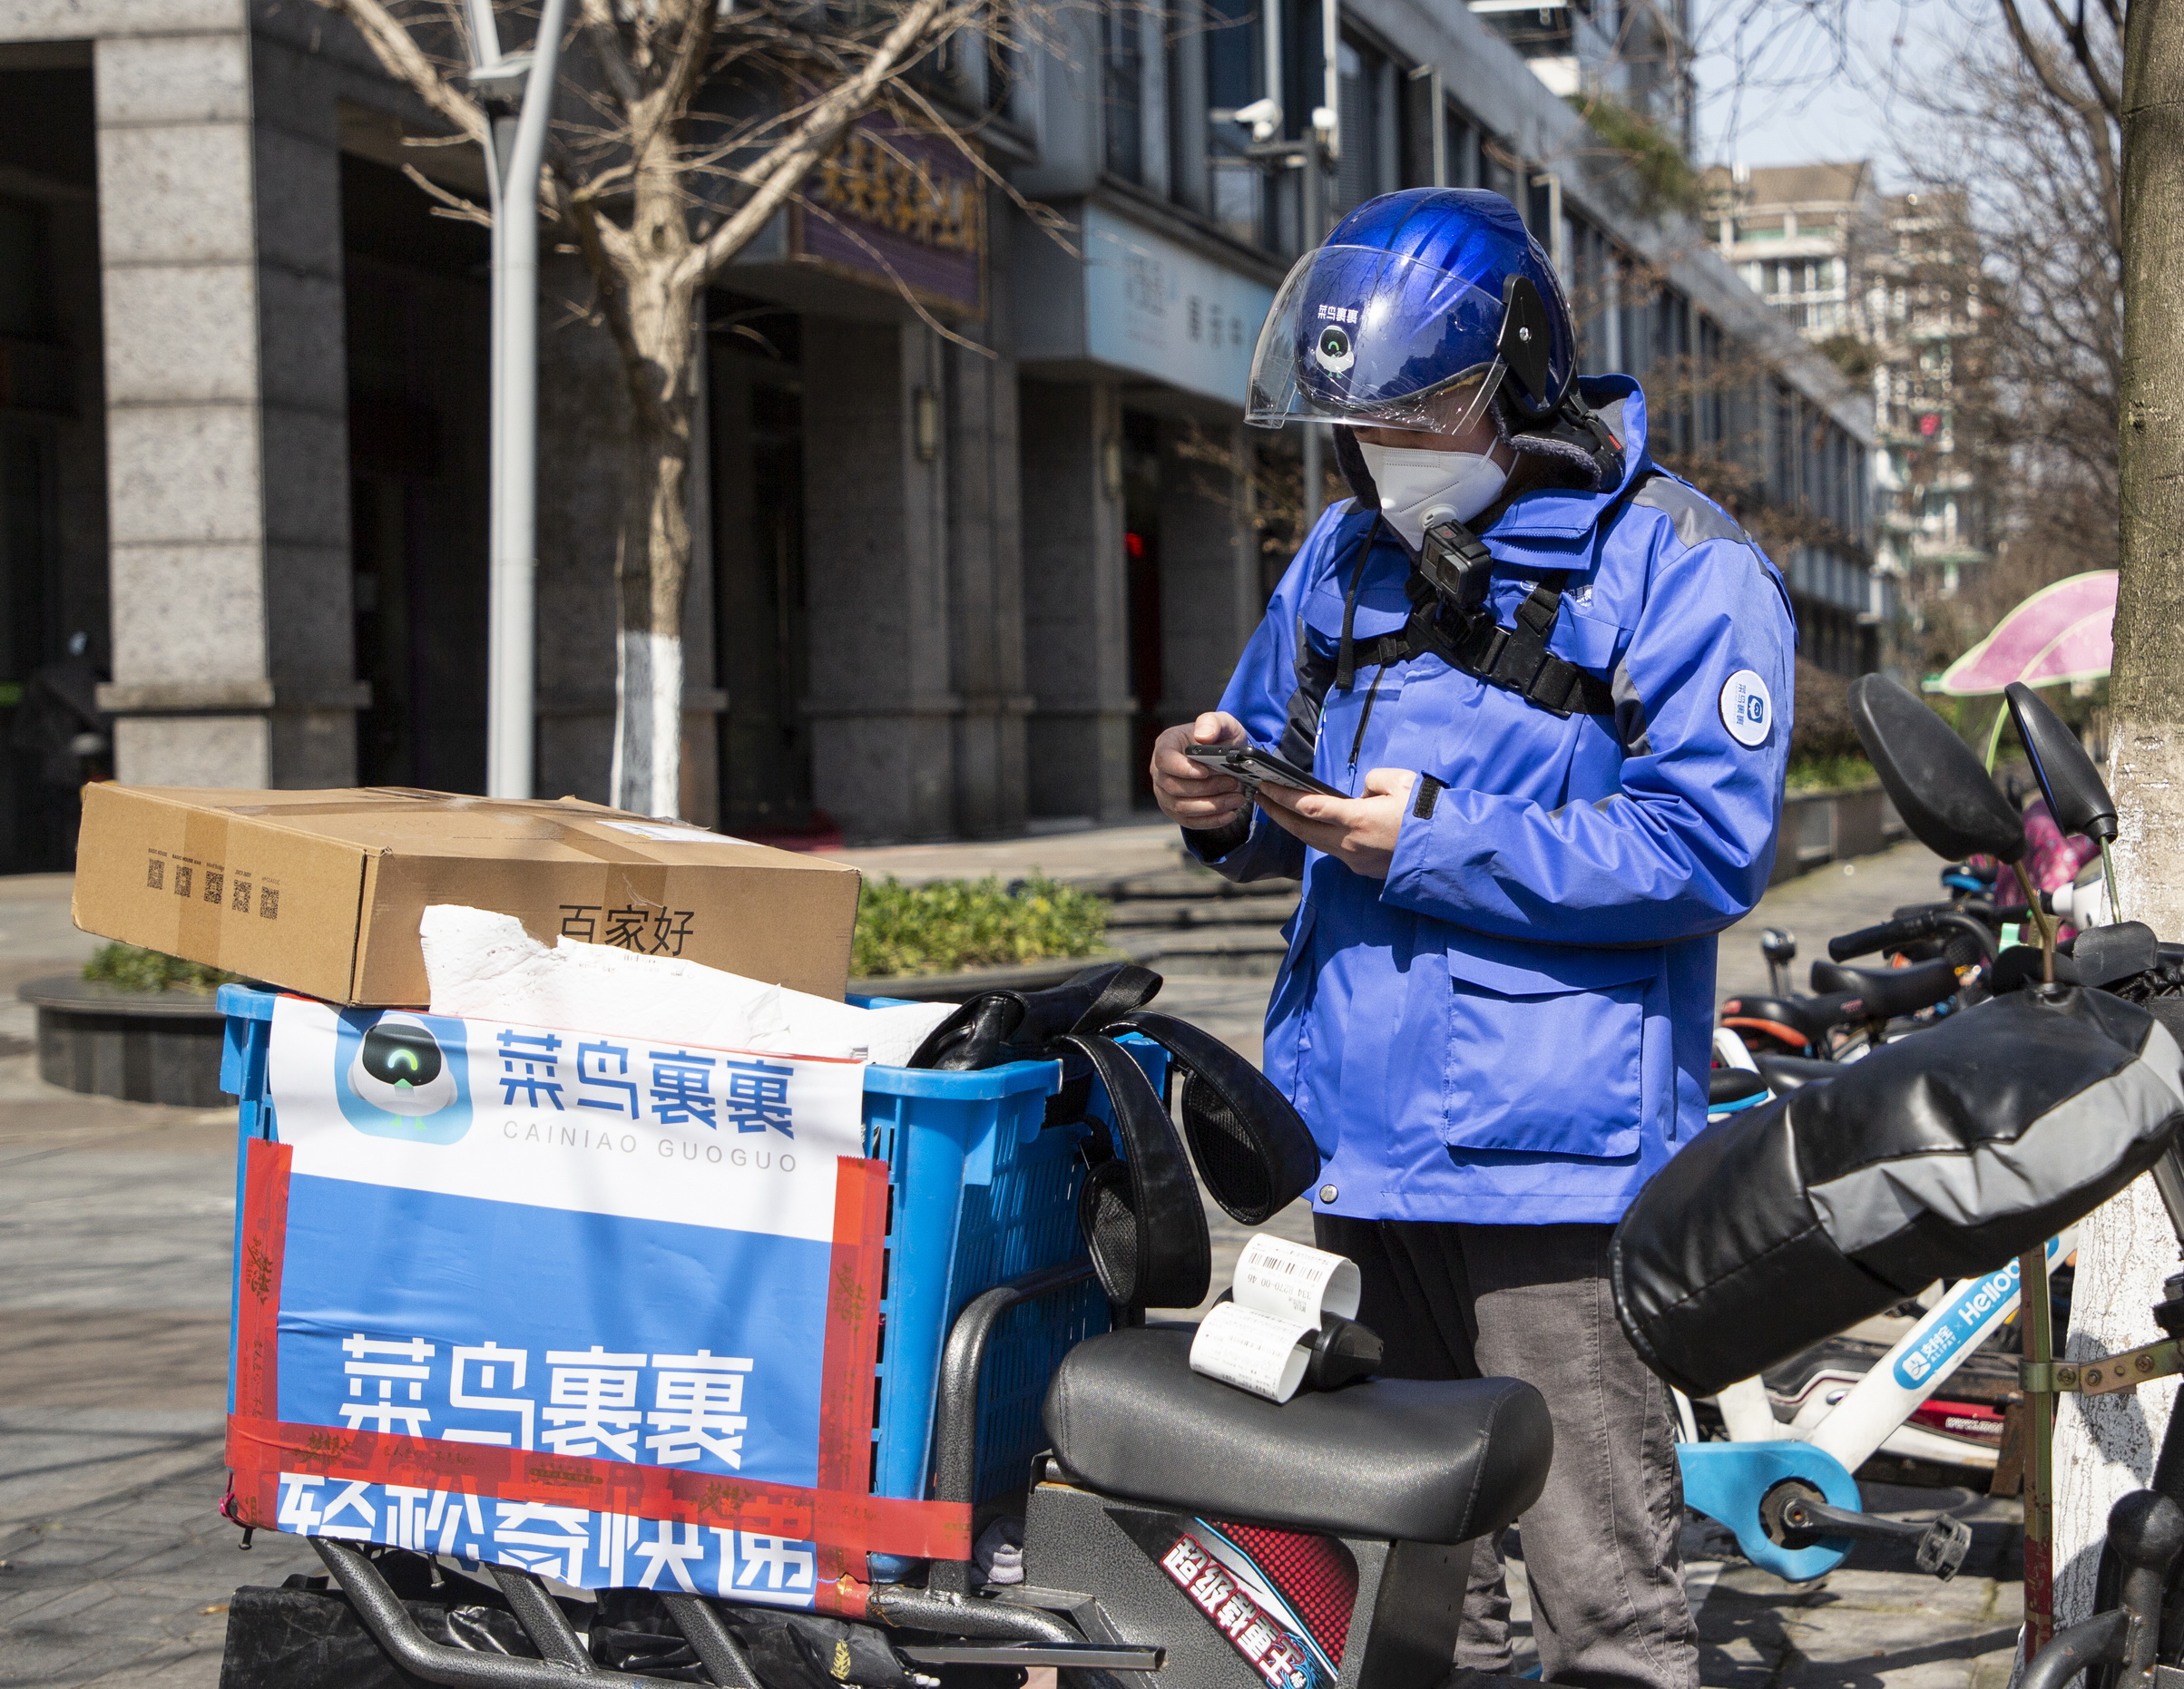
{"type": "Point", "coordinates": [1747, 710]}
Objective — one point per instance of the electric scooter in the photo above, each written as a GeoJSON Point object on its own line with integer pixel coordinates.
{"type": "Point", "coordinates": [1869, 1409]}
{"type": "Point", "coordinates": [1184, 1532]}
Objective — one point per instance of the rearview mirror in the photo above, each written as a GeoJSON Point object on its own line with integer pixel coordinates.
{"type": "Point", "coordinates": [2077, 795]}
{"type": "Point", "coordinates": [1931, 777]}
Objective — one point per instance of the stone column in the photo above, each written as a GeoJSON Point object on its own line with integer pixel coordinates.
{"type": "Point", "coordinates": [1076, 592]}
{"type": "Point", "coordinates": [985, 563]}
{"type": "Point", "coordinates": [876, 535]}
{"type": "Point", "coordinates": [1210, 577]}
{"type": "Point", "coordinates": [582, 413]}
{"type": "Point", "coordinates": [219, 218]}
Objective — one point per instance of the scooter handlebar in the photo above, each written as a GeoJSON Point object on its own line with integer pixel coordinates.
{"type": "Point", "coordinates": [1888, 935]}
{"type": "Point", "coordinates": [1913, 928]}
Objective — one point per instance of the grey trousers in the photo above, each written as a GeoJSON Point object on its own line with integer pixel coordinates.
{"type": "Point", "coordinates": [1600, 1556]}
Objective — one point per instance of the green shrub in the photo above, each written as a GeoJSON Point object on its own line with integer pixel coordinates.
{"type": "Point", "coordinates": [947, 925]}
{"type": "Point", "coordinates": [136, 970]}
{"type": "Point", "coordinates": [1829, 774]}
{"type": "Point", "coordinates": [1822, 731]}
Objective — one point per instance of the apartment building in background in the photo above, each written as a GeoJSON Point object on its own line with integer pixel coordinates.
{"type": "Point", "coordinates": [1924, 319]}
{"type": "Point", "coordinates": [938, 593]}
{"type": "Point", "coordinates": [1888, 286]}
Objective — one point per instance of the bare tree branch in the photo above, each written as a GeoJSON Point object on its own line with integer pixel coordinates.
{"type": "Point", "coordinates": [451, 204]}
{"type": "Point", "coordinates": [811, 141]}
{"type": "Point", "coordinates": [398, 51]}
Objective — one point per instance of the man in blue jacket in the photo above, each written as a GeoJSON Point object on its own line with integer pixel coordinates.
{"type": "Point", "coordinates": [1556, 681]}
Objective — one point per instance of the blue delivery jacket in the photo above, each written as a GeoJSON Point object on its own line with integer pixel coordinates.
{"type": "Point", "coordinates": [1514, 1027]}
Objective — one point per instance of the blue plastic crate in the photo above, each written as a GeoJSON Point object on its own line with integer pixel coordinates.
{"type": "Point", "coordinates": [981, 1190]}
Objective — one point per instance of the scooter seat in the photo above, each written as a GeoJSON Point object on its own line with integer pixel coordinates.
{"type": "Point", "coordinates": [1402, 1459]}
{"type": "Point", "coordinates": [1803, 1022]}
{"type": "Point", "coordinates": [1883, 993]}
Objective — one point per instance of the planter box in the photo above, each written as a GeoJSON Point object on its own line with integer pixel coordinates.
{"type": "Point", "coordinates": [160, 1047]}
{"type": "Point", "coordinates": [1831, 827]}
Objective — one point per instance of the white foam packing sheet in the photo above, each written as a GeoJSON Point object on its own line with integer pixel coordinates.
{"type": "Point", "coordinates": [484, 966]}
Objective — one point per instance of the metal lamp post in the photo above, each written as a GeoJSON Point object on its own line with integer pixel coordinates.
{"type": "Point", "coordinates": [519, 91]}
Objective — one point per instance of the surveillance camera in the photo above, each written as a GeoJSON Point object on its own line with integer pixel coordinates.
{"type": "Point", "coordinates": [1261, 117]}
{"type": "Point", "coordinates": [399, 1068]}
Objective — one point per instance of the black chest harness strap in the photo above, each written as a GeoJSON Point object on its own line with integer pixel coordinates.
{"type": "Point", "coordinates": [1514, 658]}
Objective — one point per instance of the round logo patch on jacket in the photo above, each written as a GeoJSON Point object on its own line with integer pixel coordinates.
{"type": "Point", "coordinates": [1747, 710]}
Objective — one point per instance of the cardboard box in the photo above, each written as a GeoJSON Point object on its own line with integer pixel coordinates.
{"type": "Point", "coordinates": [321, 892]}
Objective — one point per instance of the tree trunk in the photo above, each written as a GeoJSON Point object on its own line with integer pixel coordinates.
{"type": "Point", "coordinates": [653, 561]}
{"type": "Point", "coordinates": [2107, 1446]}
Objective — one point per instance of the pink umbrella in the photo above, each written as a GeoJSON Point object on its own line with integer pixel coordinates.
{"type": "Point", "coordinates": [2062, 633]}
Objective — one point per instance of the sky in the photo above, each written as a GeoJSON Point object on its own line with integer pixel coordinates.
{"type": "Point", "coordinates": [1822, 79]}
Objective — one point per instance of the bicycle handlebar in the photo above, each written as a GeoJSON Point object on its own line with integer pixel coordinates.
{"type": "Point", "coordinates": [1888, 935]}
{"type": "Point", "coordinates": [1941, 923]}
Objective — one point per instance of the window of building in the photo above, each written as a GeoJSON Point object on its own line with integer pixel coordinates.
{"type": "Point", "coordinates": [1234, 68]}
{"type": "Point", "coordinates": [1466, 160]}
{"type": "Point", "coordinates": [25, 273]}
{"type": "Point", "coordinates": [1711, 406]}
{"type": "Point", "coordinates": [1369, 117]}
{"type": "Point", "coordinates": [1498, 171]}
{"type": "Point", "coordinates": [1234, 77]}
{"type": "Point", "coordinates": [1122, 64]}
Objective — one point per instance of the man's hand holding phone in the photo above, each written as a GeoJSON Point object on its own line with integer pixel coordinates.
{"type": "Point", "coordinates": [1358, 832]}
{"type": "Point", "coordinates": [1189, 793]}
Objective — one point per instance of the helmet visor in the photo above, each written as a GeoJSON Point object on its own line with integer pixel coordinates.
{"type": "Point", "coordinates": [1372, 339]}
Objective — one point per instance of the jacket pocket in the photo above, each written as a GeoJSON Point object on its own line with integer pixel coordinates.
{"type": "Point", "coordinates": [1546, 1053]}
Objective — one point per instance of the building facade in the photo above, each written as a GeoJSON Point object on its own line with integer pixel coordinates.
{"type": "Point", "coordinates": [1888, 284]}
{"type": "Point", "coordinates": [1924, 320]}
{"type": "Point", "coordinates": [1803, 238]}
{"type": "Point", "coordinates": [941, 590]}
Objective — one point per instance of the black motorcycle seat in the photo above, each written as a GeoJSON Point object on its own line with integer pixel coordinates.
{"type": "Point", "coordinates": [1787, 1073]}
{"type": "Point", "coordinates": [1404, 1459]}
{"type": "Point", "coordinates": [1887, 992]}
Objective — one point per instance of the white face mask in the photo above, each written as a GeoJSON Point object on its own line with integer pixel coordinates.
{"type": "Point", "coordinates": [1420, 488]}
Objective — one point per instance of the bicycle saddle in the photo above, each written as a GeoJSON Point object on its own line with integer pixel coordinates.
{"type": "Point", "coordinates": [1883, 993]}
{"type": "Point", "coordinates": [1793, 1019]}
{"type": "Point", "coordinates": [1403, 1459]}
{"type": "Point", "coordinates": [1787, 1073]}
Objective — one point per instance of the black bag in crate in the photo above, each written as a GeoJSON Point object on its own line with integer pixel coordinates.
{"type": "Point", "coordinates": [1140, 1207]}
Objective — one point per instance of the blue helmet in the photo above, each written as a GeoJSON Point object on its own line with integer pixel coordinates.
{"type": "Point", "coordinates": [1419, 307]}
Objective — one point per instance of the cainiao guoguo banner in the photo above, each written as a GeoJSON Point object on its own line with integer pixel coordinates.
{"type": "Point", "coordinates": [599, 1307]}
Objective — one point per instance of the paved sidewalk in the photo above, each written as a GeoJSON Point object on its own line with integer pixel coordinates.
{"type": "Point", "coordinates": [1876, 1620]}
{"type": "Point", "coordinates": [1834, 898]}
{"type": "Point", "coordinates": [115, 1245]}
{"type": "Point", "coordinates": [1107, 853]}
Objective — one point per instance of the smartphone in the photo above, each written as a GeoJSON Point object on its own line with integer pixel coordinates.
{"type": "Point", "coordinates": [1253, 766]}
